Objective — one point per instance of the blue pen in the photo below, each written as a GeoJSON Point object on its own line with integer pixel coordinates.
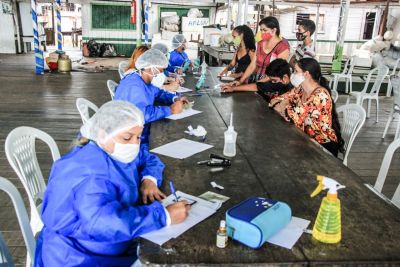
{"type": "Point", "coordinates": [171, 185]}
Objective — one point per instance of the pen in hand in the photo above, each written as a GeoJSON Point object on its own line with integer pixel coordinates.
{"type": "Point", "coordinates": [171, 185]}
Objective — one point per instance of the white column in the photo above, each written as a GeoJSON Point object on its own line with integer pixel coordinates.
{"type": "Point", "coordinates": [316, 28]}
{"type": "Point", "coordinates": [228, 21]}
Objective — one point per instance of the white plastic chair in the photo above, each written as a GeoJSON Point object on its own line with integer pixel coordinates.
{"type": "Point", "coordinates": [22, 216]}
{"type": "Point", "coordinates": [353, 120]}
{"type": "Point", "coordinates": [389, 87]}
{"type": "Point", "coordinates": [111, 87]}
{"type": "Point", "coordinates": [121, 68]}
{"type": "Point", "coordinates": [84, 106]}
{"type": "Point", "coordinates": [380, 181]}
{"type": "Point", "coordinates": [373, 94]}
{"type": "Point", "coordinates": [335, 95]}
{"type": "Point", "coordinates": [21, 154]}
{"type": "Point", "coordinates": [395, 81]}
{"type": "Point", "coordinates": [346, 74]}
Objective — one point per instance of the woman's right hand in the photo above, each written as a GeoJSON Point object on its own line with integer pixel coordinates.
{"type": "Point", "coordinates": [178, 211]}
{"type": "Point", "coordinates": [176, 107]}
{"type": "Point", "coordinates": [223, 73]}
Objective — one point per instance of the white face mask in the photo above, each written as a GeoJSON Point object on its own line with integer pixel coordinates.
{"type": "Point", "coordinates": [125, 153]}
{"type": "Point", "coordinates": [158, 81]}
{"type": "Point", "coordinates": [296, 79]}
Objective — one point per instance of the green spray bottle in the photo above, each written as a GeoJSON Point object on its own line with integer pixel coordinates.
{"type": "Point", "coordinates": [328, 226]}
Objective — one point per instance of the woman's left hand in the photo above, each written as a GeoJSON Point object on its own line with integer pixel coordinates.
{"type": "Point", "coordinates": [150, 192]}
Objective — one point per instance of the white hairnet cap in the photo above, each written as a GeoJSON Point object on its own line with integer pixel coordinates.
{"type": "Point", "coordinates": [162, 47]}
{"type": "Point", "coordinates": [178, 40]}
{"type": "Point", "coordinates": [152, 58]}
{"type": "Point", "coordinates": [112, 118]}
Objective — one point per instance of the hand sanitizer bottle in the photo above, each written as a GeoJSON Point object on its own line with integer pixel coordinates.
{"type": "Point", "coordinates": [230, 140]}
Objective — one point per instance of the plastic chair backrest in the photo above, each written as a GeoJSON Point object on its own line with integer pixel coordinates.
{"type": "Point", "coordinates": [111, 87]}
{"type": "Point", "coordinates": [122, 68]}
{"type": "Point", "coordinates": [353, 119]}
{"type": "Point", "coordinates": [395, 81]}
{"type": "Point", "coordinates": [84, 107]}
{"type": "Point", "coordinates": [21, 154]}
{"type": "Point", "coordinates": [382, 72]}
{"type": "Point", "coordinates": [380, 181]}
{"type": "Point", "coordinates": [335, 95]}
{"type": "Point", "coordinates": [22, 216]}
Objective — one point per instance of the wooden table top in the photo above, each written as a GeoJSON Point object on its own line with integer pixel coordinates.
{"type": "Point", "coordinates": [274, 160]}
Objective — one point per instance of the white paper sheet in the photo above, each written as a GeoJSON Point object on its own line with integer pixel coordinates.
{"type": "Point", "coordinates": [185, 113]}
{"type": "Point", "coordinates": [181, 148]}
{"type": "Point", "coordinates": [183, 90]}
{"type": "Point", "coordinates": [289, 235]}
{"type": "Point", "coordinates": [198, 212]}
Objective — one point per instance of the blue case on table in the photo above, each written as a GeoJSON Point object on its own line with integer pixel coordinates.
{"type": "Point", "coordinates": [253, 221]}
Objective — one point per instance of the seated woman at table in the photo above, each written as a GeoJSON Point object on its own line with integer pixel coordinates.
{"type": "Point", "coordinates": [278, 73]}
{"type": "Point", "coordinates": [178, 57]}
{"type": "Point", "coordinates": [139, 50]}
{"type": "Point", "coordinates": [270, 46]}
{"type": "Point", "coordinates": [167, 83]}
{"type": "Point", "coordinates": [310, 106]}
{"type": "Point", "coordinates": [245, 51]}
{"type": "Point", "coordinates": [104, 194]}
{"type": "Point", "coordinates": [138, 89]}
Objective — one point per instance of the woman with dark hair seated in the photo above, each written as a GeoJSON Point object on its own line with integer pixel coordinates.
{"type": "Point", "coordinates": [310, 106]}
{"type": "Point", "coordinates": [245, 52]}
{"type": "Point", "coordinates": [278, 73]}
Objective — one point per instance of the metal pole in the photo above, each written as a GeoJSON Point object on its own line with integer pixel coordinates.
{"type": "Point", "coordinates": [316, 28]}
{"type": "Point", "coordinates": [337, 57]}
{"type": "Point", "coordinates": [138, 22]}
{"type": "Point", "coordinates": [59, 34]}
{"type": "Point", "coordinates": [229, 19]}
{"type": "Point", "coordinates": [146, 23]}
{"type": "Point", "coordinates": [16, 20]}
{"type": "Point", "coordinates": [38, 51]}
{"type": "Point", "coordinates": [239, 13]}
{"type": "Point", "coordinates": [246, 11]}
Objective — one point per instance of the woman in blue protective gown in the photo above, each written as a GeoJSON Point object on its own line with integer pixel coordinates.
{"type": "Point", "coordinates": [138, 89]}
{"type": "Point", "coordinates": [178, 57]}
{"type": "Point", "coordinates": [95, 202]}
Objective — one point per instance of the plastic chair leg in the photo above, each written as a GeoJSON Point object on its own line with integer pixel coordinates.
{"type": "Point", "coordinates": [377, 109]}
{"type": "Point", "coordinates": [391, 116]}
{"type": "Point", "coordinates": [389, 89]}
{"type": "Point", "coordinates": [347, 85]}
{"type": "Point", "coordinates": [397, 129]}
{"type": "Point", "coordinates": [351, 84]}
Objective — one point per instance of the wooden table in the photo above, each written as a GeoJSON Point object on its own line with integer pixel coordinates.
{"type": "Point", "coordinates": [275, 160]}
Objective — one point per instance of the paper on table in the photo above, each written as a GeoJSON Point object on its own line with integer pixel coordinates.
{"type": "Point", "coordinates": [183, 90]}
{"type": "Point", "coordinates": [181, 148]}
{"type": "Point", "coordinates": [288, 236]}
{"type": "Point", "coordinates": [198, 212]}
{"type": "Point", "coordinates": [185, 113]}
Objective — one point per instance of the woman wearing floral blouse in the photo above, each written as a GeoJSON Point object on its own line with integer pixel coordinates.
{"type": "Point", "coordinates": [310, 106]}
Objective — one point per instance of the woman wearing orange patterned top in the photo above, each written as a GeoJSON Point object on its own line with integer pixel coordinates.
{"type": "Point", "coordinates": [310, 106]}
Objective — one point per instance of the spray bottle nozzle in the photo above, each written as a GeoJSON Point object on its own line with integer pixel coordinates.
{"type": "Point", "coordinates": [326, 183]}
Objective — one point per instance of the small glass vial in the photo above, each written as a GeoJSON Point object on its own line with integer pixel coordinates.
{"type": "Point", "coordinates": [222, 237]}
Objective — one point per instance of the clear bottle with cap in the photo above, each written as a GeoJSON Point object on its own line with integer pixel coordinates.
{"type": "Point", "coordinates": [230, 140]}
{"type": "Point", "coordinates": [204, 67]}
{"type": "Point", "coordinates": [222, 236]}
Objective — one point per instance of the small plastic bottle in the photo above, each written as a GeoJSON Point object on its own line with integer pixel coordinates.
{"type": "Point", "coordinates": [230, 140]}
{"type": "Point", "coordinates": [200, 82]}
{"type": "Point", "coordinates": [222, 237]}
{"type": "Point", "coordinates": [204, 67]}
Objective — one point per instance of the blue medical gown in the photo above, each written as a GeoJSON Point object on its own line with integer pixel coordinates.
{"type": "Point", "coordinates": [91, 211]}
{"type": "Point", "coordinates": [177, 59]}
{"type": "Point", "coordinates": [132, 88]}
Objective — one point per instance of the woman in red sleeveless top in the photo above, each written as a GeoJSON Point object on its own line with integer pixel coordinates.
{"type": "Point", "coordinates": [269, 47]}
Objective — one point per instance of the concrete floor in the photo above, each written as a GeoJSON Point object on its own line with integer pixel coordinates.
{"type": "Point", "coordinates": [47, 102]}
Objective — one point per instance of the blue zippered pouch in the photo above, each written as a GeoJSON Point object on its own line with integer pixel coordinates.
{"type": "Point", "coordinates": [253, 221]}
